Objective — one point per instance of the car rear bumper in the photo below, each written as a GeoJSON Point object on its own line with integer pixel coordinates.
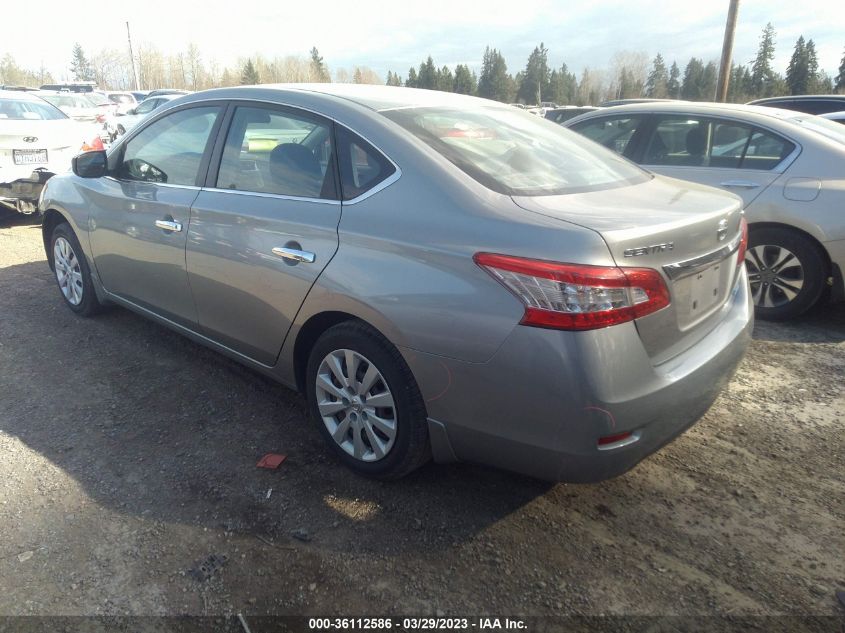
{"type": "Point", "coordinates": [540, 405]}
{"type": "Point", "coordinates": [22, 194]}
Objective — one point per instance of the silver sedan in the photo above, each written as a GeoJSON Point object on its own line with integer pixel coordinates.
{"type": "Point", "coordinates": [439, 275]}
{"type": "Point", "coordinates": [786, 165]}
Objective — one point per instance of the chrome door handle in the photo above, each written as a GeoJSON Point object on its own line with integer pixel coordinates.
{"type": "Point", "coordinates": [169, 225]}
{"type": "Point", "coordinates": [740, 184]}
{"type": "Point", "coordinates": [294, 254]}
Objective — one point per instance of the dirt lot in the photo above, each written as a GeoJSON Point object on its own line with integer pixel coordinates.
{"type": "Point", "coordinates": [128, 453]}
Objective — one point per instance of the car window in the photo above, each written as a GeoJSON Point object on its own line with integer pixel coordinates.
{"type": "Point", "coordinates": [278, 152]}
{"type": "Point", "coordinates": [169, 150]}
{"type": "Point", "coordinates": [516, 153]}
{"type": "Point", "coordinates": [689, 141]}
{"type": "Point", "coordinates": [613, 133]}
{"type": "Point", "coordinates": [362, 166]}
{"type": "Point", "coordinates": [148, 105]}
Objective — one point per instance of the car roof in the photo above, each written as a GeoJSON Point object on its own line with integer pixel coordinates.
{"type": "Point", "coordinates": [375, 97]}
{"type": "Point", "coordinates": [20, 95]}
{"type": "Point", "coordinates": [798, 98]}
{"type": "Point", "coordinates": [697, 107]}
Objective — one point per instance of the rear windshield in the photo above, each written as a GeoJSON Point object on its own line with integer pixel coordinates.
{"type": "Point", "coordinates": [21, 109]}
{"type": "Point", "coordinates": [517, 153]}
{"type": "Point", "coordinates": [826, 127]}
{"type": "Point", "coordinates": [120, 98]}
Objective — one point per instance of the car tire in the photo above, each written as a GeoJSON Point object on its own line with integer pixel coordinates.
{"type": "Point", "coordinates": [356, 431]}
{"type": "Point", "coordinates": [786, 271]}
{"type": "Point", "coordinates": [72, 273]}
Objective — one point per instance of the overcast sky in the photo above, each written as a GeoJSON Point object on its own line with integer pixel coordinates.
{"type": "Point", "coordinates": [396, 35]}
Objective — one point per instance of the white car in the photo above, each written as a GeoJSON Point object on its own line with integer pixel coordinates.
{"type": "Point", "coordinates": [839, 117]}
{"type": "Point", "coordinates": [787, 167]}
{"type": "Point", "coordinates": [37, 140]}
{"type": "Point", "coordinates": [84, 107]}
{"type": "Point", "coordinates": [124, 101]}
{"type": "Point", "coordinates": [133, 117]}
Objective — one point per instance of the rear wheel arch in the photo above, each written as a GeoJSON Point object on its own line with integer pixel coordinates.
{"type": "Point", "coordinates": [794, 229]}
{"type": "Point", "coordinates": [52, 218]}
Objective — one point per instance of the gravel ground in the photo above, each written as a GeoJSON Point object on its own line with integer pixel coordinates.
{"type": "Point", "coordinates": [127, 455]}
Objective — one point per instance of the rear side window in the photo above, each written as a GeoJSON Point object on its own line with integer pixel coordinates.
{"type": "Point", "coordinates": [170, 150]}
{"type": "Point", "coordinates": [362, 166]}
{"type": "Point", "coordinates": [279, 152]}
{"type": "Point", "coordinates": [614, 134]}
{"type": "Point", "coordinates": [687, 141]}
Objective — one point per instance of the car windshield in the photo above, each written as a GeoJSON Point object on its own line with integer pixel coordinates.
{"type": "Point", "coordinates": [67, 100]}
{"type": "Point", "coordinates": [23, 109]}
{"type": "Point", "coordinates": [825, 127]}
{"type": "Point", "coordinates": [516, 153]}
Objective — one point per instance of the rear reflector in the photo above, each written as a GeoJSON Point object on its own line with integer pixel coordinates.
{"type": "Point", "coordinates": [576, 297]}
{"type": "Point", "coordinates": [612, 439]}
{"type": "Point", "coordinates": [743, 242]}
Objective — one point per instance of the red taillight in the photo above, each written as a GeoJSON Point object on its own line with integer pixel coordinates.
{"type": "Point", "coordinates": [574, 296]}
{"type": "Point", "coordinates": [743, 242]}
{"type": "Point", "coordinates": [94, 145]}
{"type": "Point", "coordinates": [101, 118]}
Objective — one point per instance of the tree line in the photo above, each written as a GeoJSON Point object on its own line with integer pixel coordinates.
{"type": "Point", "coordinates": [631, 74]}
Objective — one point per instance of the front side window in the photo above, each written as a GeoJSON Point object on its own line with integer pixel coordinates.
{"type": "Point", "coordinates": [517, 153]}
{"type": "Point", "coordinates": [148, 105]}
{"type": "Point", "coordinates": [683, 141]}
{"type": "Point", "coordinates": [614, 134]}
{"type": "Point", "coordinates": [278, 152]}
{"type": "Point", "coordinates": [169, 150]}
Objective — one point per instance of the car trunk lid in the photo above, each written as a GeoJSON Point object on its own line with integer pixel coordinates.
{"type": "Point", "coordinates": [688, 232]}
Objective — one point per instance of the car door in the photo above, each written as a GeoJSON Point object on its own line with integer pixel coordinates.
{"type": "Point", "coordinates": [733, 155]}
{"type": "Point", "coordinates": [140, 213]}
{"type": "Point", "coordinates": [264, 227]}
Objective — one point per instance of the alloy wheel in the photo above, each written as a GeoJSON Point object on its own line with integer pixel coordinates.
{"type": "Point", "coordinates": [68, 271]}
{"type": "Point", "coordinates": [775, 274]}
{"type": "Point", "coordinates": [356, 405]}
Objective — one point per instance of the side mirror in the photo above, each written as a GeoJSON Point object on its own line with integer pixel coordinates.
{"type": "Point", "coordinates": [90, 164]}
{"type": "Point", "coordinates": [131, 111]}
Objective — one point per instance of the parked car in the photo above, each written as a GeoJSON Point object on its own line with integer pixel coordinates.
{"type": "Point", "coordinates": [166, 91]}
{"type": "Point", "coordinates": [787, 166]}
{"type": "Point", "coordinates": [618, 102]}
{"type": "Point", "coordinates": [37, 140]}
{"type": "Point", "coordinates": [530, 301]}
{"type": "Point", "coordinates": [839, 117]}
{"type": "Point", "coordinates": [82, 107]}
{"type": "Point", "coordinates": [140, 95]}
{"type": "Point", "coordinates": [564, 113]}
{"type": "Point", "coordinates": [129, 120]}
{"type": "Point", "coordinates": [124, 101]}
{"type": "Point", "coordinates": [809, 104]}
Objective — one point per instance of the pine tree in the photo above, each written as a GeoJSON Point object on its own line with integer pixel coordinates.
{"type": "Point", "coordinates": [692, 87]}
{"type": "Point", "coordinates": [319, 71]}
{"type": "Point", "coordinates": [534, 83]}
{"type": "Point", "coordinates": [494, 81]}
{"type": "Point", "coordinates": [815, 82]}
{"type": "Point", "coordinates": [412, 80]}
{"type": "Point", "coordinates": [763, 78]}
{"type": "Point", "coordinates": [465, 82]}
{"type": "Point", "coordinates": [393, 79]}
{"type": "Point", "coordinates": [427, 75]}
{"type": "Point", "coordinates": [840, 78]}
{"type": "Point", "coordinates": [798, 70]}
{"type": "Point", "coordinates": [656, 86]}
{"type": "Point", "coordinates": [80, 66]}
{"type": "Point", "coordinates": [673, 84]}
{"type": "Point", "coordinates": [445, 79]}
{"type": "Point", "coordinates": [563, 86]}
{"type": "Point", "coordinates": [249, 76]}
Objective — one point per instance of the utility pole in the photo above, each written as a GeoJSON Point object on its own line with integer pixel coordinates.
{"type": "Point", "coordinates": [727, 51]}
{"type": "Point", "coordinates": [132, 57]}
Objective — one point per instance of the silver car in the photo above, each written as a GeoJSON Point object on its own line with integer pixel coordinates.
{"type": "Point", "coordinates": [441, 276]}
{"type": "Point", "coordinates": [786, 165]}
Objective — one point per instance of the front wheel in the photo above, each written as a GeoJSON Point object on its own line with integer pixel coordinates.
{"type": "Point", "coordinates": [366, 403]}
{"type": "Point", "coordinates": [72, 273]}
{"type": "Point", "coordinates": [786, 271]}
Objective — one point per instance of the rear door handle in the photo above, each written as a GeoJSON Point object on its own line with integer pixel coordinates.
{"type": "Point", "coordinates": [740, 184]}
{"type": "Point", "coordinates": [169, 225]}
{"type": "Point", "coordinates": [294, 254]}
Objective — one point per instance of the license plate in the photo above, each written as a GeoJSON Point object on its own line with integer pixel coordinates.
{"type": "Point", "coordinates": [30, 156]}
{"type": "Point", "coordinates": [704, 289]}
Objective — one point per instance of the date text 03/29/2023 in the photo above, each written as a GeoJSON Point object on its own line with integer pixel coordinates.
{"type": "Point", "coordinates": [416, 624]}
